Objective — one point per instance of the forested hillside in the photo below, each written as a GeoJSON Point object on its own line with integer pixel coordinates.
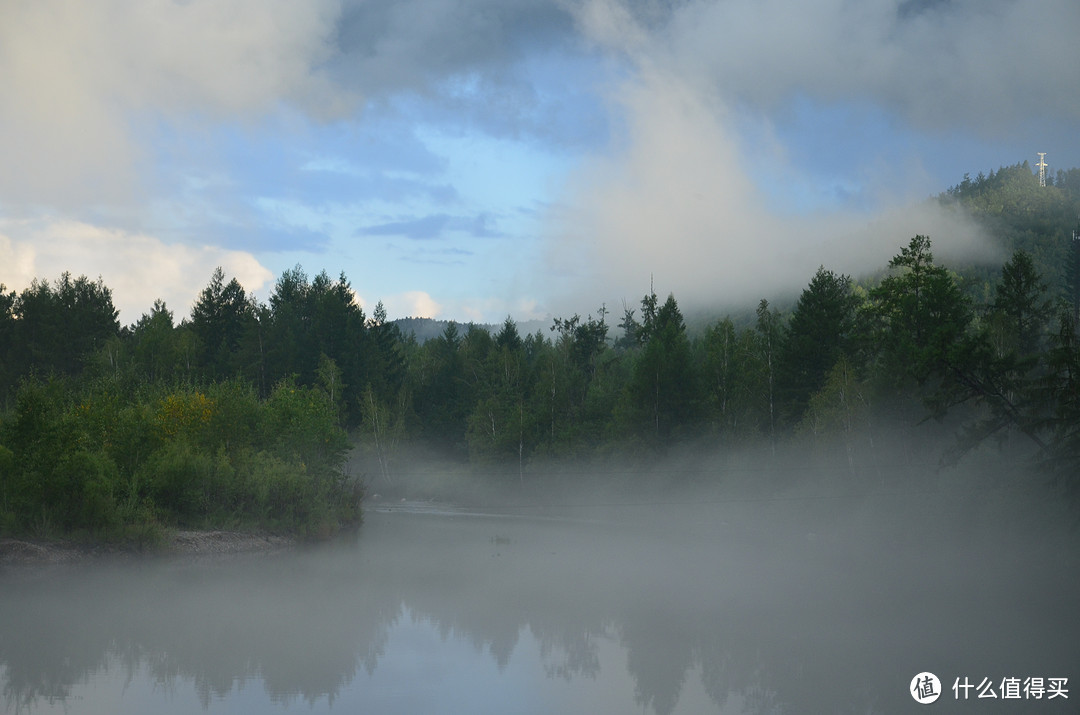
{"type": "Point", "coordinates": [1021, 215]}
{"type": "Point", "coordinates": [243, 412]}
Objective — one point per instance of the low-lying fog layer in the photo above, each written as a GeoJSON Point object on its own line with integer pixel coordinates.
{"type": "Point", "coordinates": [772, 605]}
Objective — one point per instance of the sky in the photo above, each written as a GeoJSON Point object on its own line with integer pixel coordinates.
{"type": "Point", "coordinates": [474, 159]}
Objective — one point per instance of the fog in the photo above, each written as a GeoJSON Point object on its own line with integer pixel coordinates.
{"type": "Point", "coordinates": [699, 194]}
{"type": "Point", "coordinates": [734, 587]}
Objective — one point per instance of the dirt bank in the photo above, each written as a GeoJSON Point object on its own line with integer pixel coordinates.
{"type": "Point", "coordinates": [16, 552]}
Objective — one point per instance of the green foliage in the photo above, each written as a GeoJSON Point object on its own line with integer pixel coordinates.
{"type": "Point", "coordinates": [1021, 215]}
{"type": "Point", "coordinates": [237, 415]}
{"type": "Point", "coordinates": [218, 320]}
{"type": "Point", "coordinates": [839, 415]}
{"type": "Point", "coordinates": [572, 365]}
{"type": "Point", "coordinates": [496, 428]}
{"type": "Point", "coordinates": [920, 314]}
{"type": "Point", "coordinates": [316, 333]}
{"type": "Point", "coordinates": [330, 379]}
{"type": "Point", "coordinates": [1071, 294]}
{"type": "Point", "coordinates": [1020, 300]}
{"type": "Point", "coordinates": [768, 348]}
{"type": "Point", "coordinates": [182, 481]}
{"type": "Point", "coordinates": [382, 430]}
{"type": "Point", "coordinates": [301, 423]}
{"type": "Point", "coordinates": [664, 388]}
{"type": "Point", "coordinates": [56, 327]}
{"type": "Point", "coordinates": [158, 347]}
{"type": "Point", "coordinates": [819, 333]}
{"type": "Point", "coordinates": [92, 457]}
{"type": "Point", "coordinates": [10, 367]}
{"type": "Point", "coordinates": [729, 374]}
{"type": "Point", "coordinates": [1057, 395]}
{"type": "Point", "coordinates": [631, 331]}
{"type": "Point", "coordinates": [927, 331]}
{"type": "Point", "coordinates": [507, 338]}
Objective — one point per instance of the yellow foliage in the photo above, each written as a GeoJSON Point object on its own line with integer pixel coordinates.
{"type": "Point", "coordinates": [178, 412]}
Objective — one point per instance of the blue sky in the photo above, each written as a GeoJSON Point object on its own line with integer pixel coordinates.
{"type": "Point", "coordinates": [470, 159]}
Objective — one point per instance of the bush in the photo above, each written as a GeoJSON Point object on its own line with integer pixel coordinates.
{"type": "Point", "coordinates": [117, 460]}
{"type": "Point", "coordinates": [177, 476]}
{"type": "Point", "coordinates": [94, 482]}
{"type": "Point", "coordinates": [7, 475]}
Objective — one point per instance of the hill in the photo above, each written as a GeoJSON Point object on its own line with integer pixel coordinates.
{"type": "Point", "coordinates": [1019, 214]}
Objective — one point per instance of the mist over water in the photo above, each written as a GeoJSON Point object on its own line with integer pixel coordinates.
{"type": "Point", "coordinates": [659, 604]}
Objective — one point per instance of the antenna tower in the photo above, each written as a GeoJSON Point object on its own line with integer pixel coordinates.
{"type": "Point", "coordinates": [1042, 167]}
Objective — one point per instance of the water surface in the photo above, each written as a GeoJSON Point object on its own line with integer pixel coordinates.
{"type": "Point", "coordinates": [762, 607]}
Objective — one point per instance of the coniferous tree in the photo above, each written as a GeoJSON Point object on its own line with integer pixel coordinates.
{"type": "Point", "coordinates": [157, 354]}
{"type": "Point", "coordinates": [320, 317]}
{"type": "Point", "coordinates": [819, 332]}
{"type": "Point", "coordinates": [922, 315]}
{"type": "Point", "coordinates": [630, 327]}
{"type": "Point", "coordinates": [9, 368]}
{"type": "Point", "coordinates": [1020, 299]}
{"type": "Point", "coordinates": [769, 347]}
{"type": "Point", "coordinates": [290, 351]}
{"type": "Point", "coordinates": [1072, 269]}
{"type": "Point", "coordinates": [1058, 397]}
{"type": "Point", "coordinates": [664, 385]}
{"type": "Point", "coordinates": [440, 391]}
{"type": "Point", "coordinates": [60, 326]}
{"type": "Point", "coordinates": [924, 321]}
{"type": "Point", "coordinates": [381, 359]}
{"type": "Point", "coordinates": [497, 425]}
{"type": "Point", "coordinates": [720, 373]}
{"type": "Point", "coordinates": [219, 319]}
{"type": "Point", "coordinates": [570, 368]}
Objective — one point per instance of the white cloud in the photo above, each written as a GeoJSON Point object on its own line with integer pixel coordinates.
{"type": "Point", "coordinates": [77, 76]}
{"type": "Point", "coordinates": [137, 268]}
{"type": "Point", "coordinates": [675, 203]}
{"type": "Point", "coordinates": [672, 202]}
{"type": "Point", "coordinates": [494, 310]}
{"type": "Point", "coordinates": [414, 304]}
{"type": "Point", "coordinates": [982, 65]}
{"type": "Point", "coordinates": [491, 311]}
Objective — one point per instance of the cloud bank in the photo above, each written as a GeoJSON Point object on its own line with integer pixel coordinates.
{"type": "Point", "coordinates": [677, 206]}
{"type": "Point", "coordinates": [78, 77]}
{"type": "Point", "coordinates": [111, 111]}
{"type": "Point", "coordinates": [983, 65]}
{"type": "Point", "coordinates": [675, 201]}
{"type": "Point", "coordinates": [137, 268]}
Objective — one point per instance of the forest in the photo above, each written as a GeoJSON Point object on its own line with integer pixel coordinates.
{"type": "Point", "coordinates": [244, 414]}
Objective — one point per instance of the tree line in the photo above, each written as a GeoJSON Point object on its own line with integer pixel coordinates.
{"type": "Point", "coordinates": [240, 411]}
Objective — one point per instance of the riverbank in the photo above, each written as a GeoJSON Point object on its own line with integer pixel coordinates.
{"type": "Point", "coordinates": [40, 552]}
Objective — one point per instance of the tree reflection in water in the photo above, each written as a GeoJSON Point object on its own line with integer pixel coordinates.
{"type": "Point", "coordinates": [761, 609]}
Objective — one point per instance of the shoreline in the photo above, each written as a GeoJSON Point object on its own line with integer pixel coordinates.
{"type": "Point", "coordinates": [16, 552]}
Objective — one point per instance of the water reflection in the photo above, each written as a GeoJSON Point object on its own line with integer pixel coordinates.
{"type": "Point", "coordinates": [747, 612]}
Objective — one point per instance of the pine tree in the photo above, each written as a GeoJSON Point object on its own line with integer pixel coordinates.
{"type": "Point", "coordinates": [770, 345]}
{"type": "Point", "coordinates": [664, 387]}
{"type": "Point", "coordinates": [219, 319]}
{"type": "Point", "coordinates": [819, 333]}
